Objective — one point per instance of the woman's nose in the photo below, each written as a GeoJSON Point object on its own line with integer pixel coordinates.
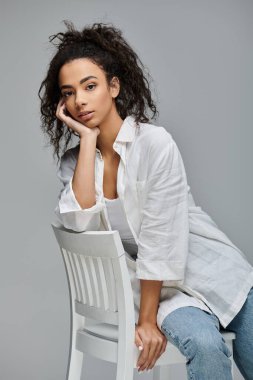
{"type": "Point", "coordinates": [80, 100]}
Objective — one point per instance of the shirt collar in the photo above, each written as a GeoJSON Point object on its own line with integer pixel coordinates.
{"type": "Point", "coordinates": [127, 130]}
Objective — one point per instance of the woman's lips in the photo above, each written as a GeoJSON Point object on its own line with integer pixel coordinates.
{"type": "Point", "coordinates": [88, 116]}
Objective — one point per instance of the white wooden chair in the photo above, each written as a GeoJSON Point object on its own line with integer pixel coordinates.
{"type": "Point", "coordinates": [102, 305]}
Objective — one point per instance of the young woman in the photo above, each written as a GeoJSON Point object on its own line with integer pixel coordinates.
{"type": "Point", "coordinates": [127, 174]}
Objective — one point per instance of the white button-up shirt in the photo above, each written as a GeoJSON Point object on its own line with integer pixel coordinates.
{"type": "Point", "coordinates": [178, 243]}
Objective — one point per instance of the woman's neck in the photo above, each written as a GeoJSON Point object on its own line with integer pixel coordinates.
{"type": "Point", "coordinates": [109, 130]}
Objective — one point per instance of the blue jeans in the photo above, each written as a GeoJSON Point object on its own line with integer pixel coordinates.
{"type": "Point", "coordinates": [196, 334]}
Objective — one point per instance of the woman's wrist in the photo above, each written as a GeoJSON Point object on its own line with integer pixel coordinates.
{"type": "Point", "coordinates": [149, 303]}
{"type": "Point", "coordinates": [147, 320]}
{"type": "Point", "coordinates": [88, 136]}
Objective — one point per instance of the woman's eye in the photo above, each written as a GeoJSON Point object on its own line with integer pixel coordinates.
{"type": "Point", "coordinates": [92, 85]}
{"type": "Point", "coordinates": [66, 94]}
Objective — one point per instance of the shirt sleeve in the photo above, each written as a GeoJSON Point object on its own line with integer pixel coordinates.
{"type": "Point", "coordinates": [68, 211]}
{"type": "Point", "coordinates": [164, 233]}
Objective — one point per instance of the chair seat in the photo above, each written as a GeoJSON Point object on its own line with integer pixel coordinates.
{"type": "Point", "coordinates": [108, 331]}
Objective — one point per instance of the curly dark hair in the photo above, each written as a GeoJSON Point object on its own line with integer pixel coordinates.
{"type": "Point", "coordinates": [104, 45]}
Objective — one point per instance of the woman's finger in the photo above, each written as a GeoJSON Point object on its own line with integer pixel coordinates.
{"type": "Point", "coordinates": [153, 357]}
{"type": "Point", "coordinates": [62, 107]}
{"type": "Point", "coordinates": [161, 348]}
{"type": "Point", "coordinates": [59, 106]}
{"type": "Point", "coordinates": [153, 353]}
{"type": "Point", "coordinates": [143, 357]}
{"type": "Point", "coordinates": [67, 120]}
{"type": "Point", "coordinates": [138, 340]}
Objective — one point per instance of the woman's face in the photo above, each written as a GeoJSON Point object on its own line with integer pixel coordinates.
{"type": "Point", "coordinates": [84, 87]}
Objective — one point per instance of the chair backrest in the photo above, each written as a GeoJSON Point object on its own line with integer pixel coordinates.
{"type": "Point", "coordinates": [98, 278]}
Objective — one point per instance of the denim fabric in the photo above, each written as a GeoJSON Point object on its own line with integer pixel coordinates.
{"type": "Point", "coordinates": [196, 334]}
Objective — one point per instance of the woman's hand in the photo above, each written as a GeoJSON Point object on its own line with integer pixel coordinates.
{"type": "Point", "coordinates": [71, 123]}
{"type": "Point", "coordinates": [153, 341]}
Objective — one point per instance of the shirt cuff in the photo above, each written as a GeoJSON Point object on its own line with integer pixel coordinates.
{"type": "Point", "coordinates": [68, 201]}
{"type": "Point", "coordinates": [72, 216]}
{"type": "Point", "coordinates": [160, 270]}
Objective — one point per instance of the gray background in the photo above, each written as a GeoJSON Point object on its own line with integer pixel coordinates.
{"type": "Point", "coordinates": [199, 54]}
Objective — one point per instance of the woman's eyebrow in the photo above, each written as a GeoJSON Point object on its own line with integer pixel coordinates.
{"type": "Point", "coordinates": [81, 81]}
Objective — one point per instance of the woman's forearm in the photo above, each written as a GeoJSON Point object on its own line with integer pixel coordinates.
{"type": "Point", "coordinates": [149, 302]}
{"type": "Point", "coordinates": [83, 182]}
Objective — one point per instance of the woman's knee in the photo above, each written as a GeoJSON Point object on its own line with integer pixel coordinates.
{"type": "Point", "coordinates": [194, 331]}
{"type": "Point", "coordinates": [204, 343]}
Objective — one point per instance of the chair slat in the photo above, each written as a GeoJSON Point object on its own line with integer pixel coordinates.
{"type": "Point", "coordinates": [70, 272]}
{"type": "Point", "coordinates": [80, 276]}
{"type": "Point", "coordinates": [90, 262]}
{"type": "Point", "coordinates": [82, 279]}
{"type": "Point", "coordinates": [77, 281]}
{"type": "Point", "coordinates": [101, 283]}
{"type": "Point", "coordinates": [111, 286]}
{"type": "Point", "coordinates": [86, 280]}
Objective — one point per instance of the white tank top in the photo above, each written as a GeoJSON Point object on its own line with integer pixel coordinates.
{"type": "Point", "coordinates": [119, 222]}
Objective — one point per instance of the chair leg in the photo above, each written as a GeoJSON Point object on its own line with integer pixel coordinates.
{"type": "Point", "coordinates": [75, 361]}
{"type": "Point", "coordinates": [161, 372]}
{"type": "Point", "coordinates": [125, 369]}
{"type": "Point", "coordinates": [74, 370]}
